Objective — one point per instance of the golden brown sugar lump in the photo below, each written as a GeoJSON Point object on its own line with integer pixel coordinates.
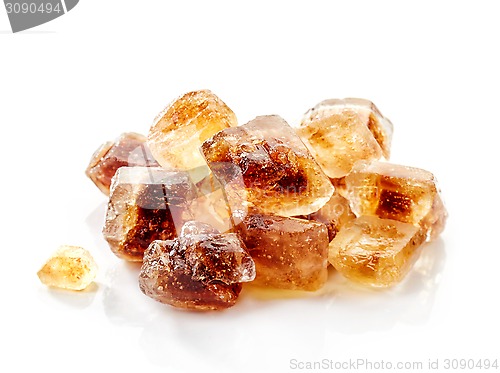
{"type": "Point", "coordinates": [390, 191]}
{"type": "Point", "coordinates": [70, 267]}
{"type": "Point", "coordinates": [341, 132]}
{"type": "Point", "coordinates": [374, 251]}
{"type": "Point", "coordinates": [289, 253]}
{"type": "Point", "coordinates": [200, 270]}
{"type": "Point", "coordinates": [264, 164]}
{"type": "Point", "coordinates": [180, 129]}
{"type": "Point", "coordinates": [129, 149]}
{"type": "Point", "coordinates": [146, 204]}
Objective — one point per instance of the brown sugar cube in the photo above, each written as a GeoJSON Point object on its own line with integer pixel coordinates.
{"type": "Point", "coordinates": [146, 204]}
{"type": "Point", "coordinates": [289, 253]}
{"type": "Point", "coordinates": [200, 270]}
{"type": "Point", "coordinates": [264, 164]}
{"type": "Point", "coordinates": [374, 251]}
{"type": "Point", "coordinates": [390, 191]}
{"type": "Point", "coordinates": [341, 132]}
{"type": "Point", "coordinates": [178, 131]}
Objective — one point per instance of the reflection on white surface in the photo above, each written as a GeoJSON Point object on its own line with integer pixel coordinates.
{"type": "Point", "coordinates": [380, 309]}
{"type": "Point", "coordinates": [195, 339]}
{"type": "Point", "coordinates": [123, 302]}
{"type": "Point", "coordinates": [74, 299]}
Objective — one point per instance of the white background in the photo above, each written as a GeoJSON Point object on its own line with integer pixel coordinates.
{"type": "Point", "coordinates": [110, 66]}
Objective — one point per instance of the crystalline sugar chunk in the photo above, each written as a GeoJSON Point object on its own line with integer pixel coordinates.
{"type": "Point", "coordinates": [374, 251]}
{"type": "Point", "coordinates": [265, 165]}
{"type": "Point", "coordinates": [289, 253]}
{"type": "Point", "coordinates": [199, 270]}
{"type": "Point", "coordinates": [391, 191]}
{"type": "Point", "coordinates": [178, 131]}
{"type": "Point", "coordinates": [340, 132]}
{"type": "Point", "coordinates": [146, 204]}
{"type": "Point", "coordinates": [129, 149]}
{"type": "Point", "coordinates": [71, 267]}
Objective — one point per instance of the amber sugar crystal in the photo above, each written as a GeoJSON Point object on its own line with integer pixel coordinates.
{"type": "Point", "coordinates": [178, 131]}
{"type": "Point", "coordinates": [146, 204]}
{"type": "Point", "coordinates": [341, 132]}
{"type": "Point", "coordinates": [200, 270]}
{"type": "Point", "coordinates": [70, 267]}
{"type": "Point", "coordinates": [129, 149]}
{"type": "Point", "coordinates": [374, 251]}
{"type": "Point", "coordinates": [289, 253]}
{"type": "Point", "coordinates": [401, 193]}
{"type": "Point", "coordinates": [264, 164]}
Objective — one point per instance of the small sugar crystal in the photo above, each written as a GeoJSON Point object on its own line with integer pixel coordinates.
{"type": "Point", "coordinates": [71, 267]}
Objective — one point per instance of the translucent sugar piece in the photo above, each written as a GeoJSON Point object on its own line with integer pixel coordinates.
{"type": "Point", "coordinates": [178, 131]}
{"type": "Point", "coordinates": [335, 214]}
{"type": "Point", "coordinates": [197, 271]}
{"type": "Point", "coordinates": [374, 251]}
{"type": "Point", "coordinates": [146, 204]}
{"type": "Point", "coordinates": [341, 132]}
{"type": "Point", "coordinates": [263, 164]}
{"type": "Point", "coordinates": [435, 221]}
{"type": "Point", "coordinates": [129, 149]}
{"type": "Point", "coordinates": [390, 191]}
{"type": "Point", "coordinates": [71, 267]}
{"type": "Point", "coordinates": [211, 206]}
{"type": "Point", "coordinates": [289, 253]}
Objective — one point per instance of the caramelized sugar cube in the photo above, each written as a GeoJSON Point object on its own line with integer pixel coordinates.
{"type": "Point", "coordinates": [289, 253]}
{"type": "Point", "coordinates": [71, 267]}
{"type": "Point", "coordinates": [265, 165]}
{"type": "Point", "coordinates": [374, 251]}
{"type": "Point", "coordinates": [178, 131]}
{"type": "Point", "coordinates": [340, 132]}
{"type": "Point", "coordinates": [200, 270]}
{"type": "Point", "coordinates": [391, 191]}
{"type": "Point", "coordinates": [146, 204]}
{"type": "Point", "coordinates": [129, 149]}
